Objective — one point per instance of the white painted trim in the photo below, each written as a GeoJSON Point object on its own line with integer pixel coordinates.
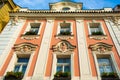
{"type": "Point", "coordinates": [11, 63]}
{"type": "Point", "coordinates": [72, 66]}
{"type": "Point", "coordinates": [101, 25]}
{"type": "Point", "coordinates": [53, 66]}
{"type": "Point", "coordinates": [115, 64]}
{"type": "Point", "coordinates": [97, 67]}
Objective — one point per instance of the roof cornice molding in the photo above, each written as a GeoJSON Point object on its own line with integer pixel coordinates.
{"type": "Point", "coordinates": [54, 11]}
{"type": "Point", "coordinates": [65, 14]}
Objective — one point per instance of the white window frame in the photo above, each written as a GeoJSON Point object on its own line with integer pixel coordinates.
{"type": "Point", "coordinates": [14, 60]}
{"type": "Point", "coordinates": [109, 54]}
{"type": "Point", "coordinates": [54, 65]}
{"type": "Point", "coordinates": [59, 27]}
{"type": "Point", "coordinates": [29, 27]}
{"type": "Point", "coordinates": [100, 26]}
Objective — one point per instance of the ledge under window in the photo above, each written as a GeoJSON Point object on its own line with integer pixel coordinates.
{"type": "Point", "coordinates": [64, 37]}
{"type": "Point", "coordinates": [98, 37]}
{"type": "Point", "coordinates": [29, 37]}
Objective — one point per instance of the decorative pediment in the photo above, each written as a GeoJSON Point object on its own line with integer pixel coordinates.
{"type": "Point", "coordinates": [25, 48]}
{"type": "Point", "coordinates": [63, 47]}
{"type": "Point", "coordinates": [101, 47]}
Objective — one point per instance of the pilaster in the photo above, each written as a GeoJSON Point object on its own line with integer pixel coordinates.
{"type": "Point", "coordinates": [43, 52]}
{"type": "Point", "coordinates": [85, 69]}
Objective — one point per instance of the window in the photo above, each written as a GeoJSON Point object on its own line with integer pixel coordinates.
{"type": "Point", "coordinates": [65, 29]}
{"type": "Point", "coordinates": [21, 65]}
{"type": "Point", "coordinates": [66, 8]}
{"type": "Point", "coordinates": [34, 29]}
{"type": "Point", "coordinates": [105, 65]}
{"type": "Point", "coordinates": [95, 29]}
{"type": "Point", "coordinates": [63, 64]}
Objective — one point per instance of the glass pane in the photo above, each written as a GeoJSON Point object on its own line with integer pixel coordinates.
{"type": "Point", "coordinates": [104, 65]}
{"type": "Point", "coordinates": [63, 60]}
{"type": "Point", "coordinates": [101, 69]}
{"type": "Point", "coordinates": [94, 29]}
{"type": "Point", "coordinates": [24, 60]}
{"type": "Point", "coordinates": [16, 69]}
{"type": "Point", "coordinates": [35, 29]}
{"type": "Point", "coordinates": [66, 8]}
{"type": "Point", "coordinates": [59, 68]}
{"type": "Point", "coordinates": [66, 68]}
{"type": "Point", "coordinates": [108, 69]}
{"type": "Point", "coordinates": [24, 68]}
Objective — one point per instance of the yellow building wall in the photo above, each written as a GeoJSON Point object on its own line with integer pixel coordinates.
{"type": "Point", "coordinates": [4, 12]}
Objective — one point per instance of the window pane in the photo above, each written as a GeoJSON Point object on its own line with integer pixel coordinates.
{"type": "Point", "coordinates": [108, 69]}
{"type": "Point", "coordinates": [67, 68]}
{"type": "Point", "coordinates": [104, 65]}
{"type": "Point", "coordinates": [59, 68]}
{"type": "Point", "coordinates": [24, 60]}
{"type": "Point", "coordinates": [101, 69]}
{"type": "Point", "coordinates": [63, 60]}
{"type": "Point", "coordinates": [16, 69]}
{"type": "Point", "coordinates": [34, 29]}
{"type": "Point", "coordinates": [24, 68]}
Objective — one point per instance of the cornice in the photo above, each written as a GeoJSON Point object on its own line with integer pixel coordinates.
{"type": "Point", "coordinates": [65, 14]}
{"type": "Point", "coordinates": [54, 11]}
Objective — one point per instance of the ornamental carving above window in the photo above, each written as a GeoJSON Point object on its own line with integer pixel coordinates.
{"type": "Point", "coordinates": [101, 47]}
{"type": "Point", "coordinates": [24, 48]}
{"type": "Point", "coordinates": [63, 47]}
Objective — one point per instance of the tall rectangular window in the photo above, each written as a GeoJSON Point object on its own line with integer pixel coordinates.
{"type": "Point", "coordinates": [63, 64]}
{"type": "Point", "coordinates": [34, 29]}
{"type": "Point", "coordinates": [21, 65]}
{"type": "Point", "coordinates": [105, 65]}
{"type": "Point", "coordinates": [95, 29]}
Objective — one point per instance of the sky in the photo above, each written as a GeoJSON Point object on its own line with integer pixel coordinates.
{"type": "Point", "coordinates": [87, 4]}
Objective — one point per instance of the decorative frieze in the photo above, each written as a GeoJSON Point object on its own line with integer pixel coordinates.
{"type": "Point", "coordinates": [24, 48]}
{"type": "Point", "coordinates": [101, 47]}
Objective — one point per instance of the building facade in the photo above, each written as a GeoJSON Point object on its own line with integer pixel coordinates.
{"type": "Point", "coordinates": [66, 38]}
{"type": "Point", "coordinates": [5, 7]}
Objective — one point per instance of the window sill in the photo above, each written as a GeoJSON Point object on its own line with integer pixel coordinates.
{"type": "Point", "coordinates": [64, 37]}
{"type": "Point", "coordinates": [98, 37]}
{"type": "Point", "coordinates": [29, 37]}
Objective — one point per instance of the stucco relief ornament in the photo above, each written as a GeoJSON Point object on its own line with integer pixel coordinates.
{"type": "Point", "coordinates": [63, 47]}
{"type": "Point", "coordinates": [24, 48]}
{"type": "Point", "coordinates": [101, 47]}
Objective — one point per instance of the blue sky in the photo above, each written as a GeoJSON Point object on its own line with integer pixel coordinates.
{"type": "Point", "coordinates": [87, 4]}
